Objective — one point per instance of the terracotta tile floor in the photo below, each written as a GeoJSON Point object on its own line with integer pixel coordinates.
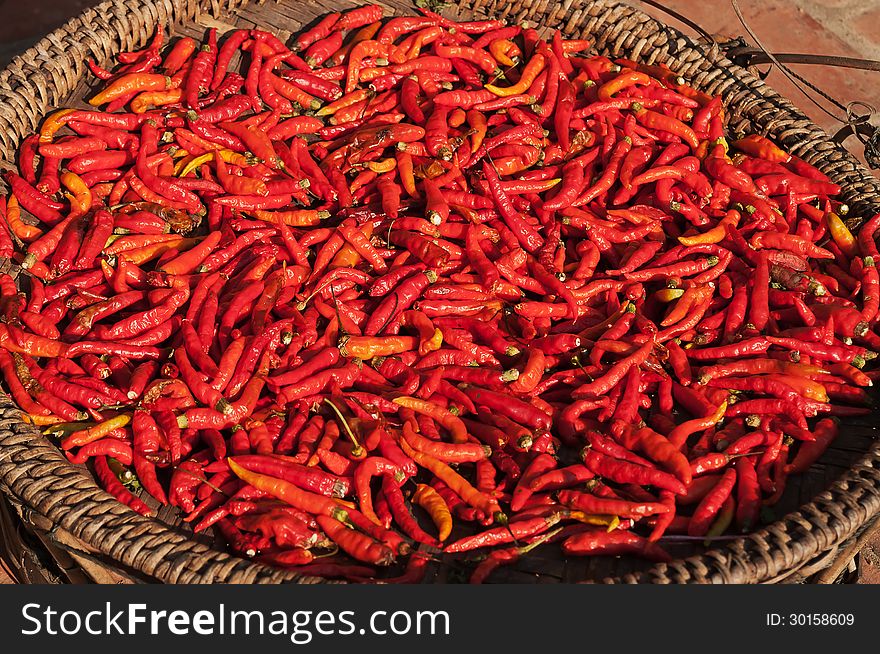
{"type": "Point", "coordinates": [823, 27]}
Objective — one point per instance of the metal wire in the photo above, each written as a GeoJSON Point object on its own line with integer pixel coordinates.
{"type": "Point", "coordinates": [858, 114]}
{"type": "Point", "coordinates": [791, 75]}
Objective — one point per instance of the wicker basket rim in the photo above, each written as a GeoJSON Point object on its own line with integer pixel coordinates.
{"type": "Point", "coordinates": [40, 478]}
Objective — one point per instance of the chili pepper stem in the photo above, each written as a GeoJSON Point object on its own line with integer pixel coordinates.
{"type": "Point", "coordinates": [357, 449]}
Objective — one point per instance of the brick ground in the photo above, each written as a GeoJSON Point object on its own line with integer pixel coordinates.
{"type": "Point", "coordinates": [831, 27]}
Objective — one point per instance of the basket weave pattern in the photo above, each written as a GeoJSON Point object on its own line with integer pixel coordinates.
{"type": "Point", "coordinates": [37, 478]}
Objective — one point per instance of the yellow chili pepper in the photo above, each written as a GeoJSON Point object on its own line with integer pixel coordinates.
{"type": "Point", "coordinates": [609, 521]}
{"type": "Point", "coordinates": [183, 162]}
{"type": "Point", "coordinates": [95, 432]}
{"type": "Point", "coordinates": [61, 429]}
{"type": "Point", "coordinates": [841, 235]}
{"type": "Point", "coordinates": [230, 157]}
{"type": "Point", "coordinates": [669, 294]}
{"type": "Point", "coordinates": [432, 343]}
{"type": "Point", "coordinates": [40, 421]}
{"type": "Point", "coordinates": [432, 502]}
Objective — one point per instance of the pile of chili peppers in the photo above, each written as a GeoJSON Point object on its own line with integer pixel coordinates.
{"type": "Point", "coordinates": [535, 293]}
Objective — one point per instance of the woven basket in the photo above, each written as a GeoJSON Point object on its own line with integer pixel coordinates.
{"type": "Point", "coordinates": [90, 536]}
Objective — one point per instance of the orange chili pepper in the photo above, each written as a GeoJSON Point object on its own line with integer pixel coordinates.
{"type": "Point", "coordinates": [129, 84]}
{"type": "Point", "coordinates": [432, 502]}
{"type": "Point", "coordinates": [292, 218]}
{"type": "Point", "coordinates": [287, 492]}
{"type": "Point", "coordinates": [141, 255]}
{"type": "Point", "coordinates": [661, 450]}
{"type": "Point", "coordinates": [679, 435]}
{"type": "Point", "coordinates": [625, 79]}
{"type": "Point", "coordinates": [383, 166]}
{"type": "Point", "coordinates": [406, 172]}
{"type": "Point", "coordinates": [412, 46]}
{"type": "Point", "coordinates": [530, 73]}
{"type": "Point", "coordinates": [456, 482]}
{"type": "Point", "coordinates": [41, 421]}
{"type": "Point", "coordinates": [759, 146]}
{"type": "Point", "coordinates": [21, 229]}
{"type": "Point", "coordinates": [358, 53]}
{"type": "Point", "coordinates": [132, 241]}
{"type": "Point", "coordinates": [346, 100]}
{"type": "Point", "coordinates": [144, 101]}
{"type": "Point", "coordinates": [366, 33]}
{"type": "Point", "coordinates": [53, 123]}
{"type": "Point", "coordinates": [841, 234]}
{"type": "Point", "coordinates": [369, 347]}
{"type": "Point", "coordinates": [714, 235]}
{"type": "Point", "coordinates": [479, 126]}
{"type": "Point", "coordinates": [188, 261]}
{"type": "Point", "coordinates": [453, 424]}
{"type": "Point", "coordinates": [80, 195]}
{"type": "Point", "coordinates": [691, 297]}
{"type": "Point", "coordinates": [348, 256]}
{"type": "Point", "coordinates": [665, 123]}
{"type": "Point", "coordinates": [505, 52]}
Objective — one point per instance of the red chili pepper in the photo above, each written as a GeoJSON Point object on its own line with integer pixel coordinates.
{"type": "Point", "coordinates": [597, 542]}
{"type": "Point", "coordinates": [654, 120]}
{"type": "Point", "coordinates": [810, 452]}
{"type": "Point", "coordinates": [401, 513]}
{"type": "Point", "coordinates": [113, 486]}
{"type": "Point", "coordinates": [709, 506]}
